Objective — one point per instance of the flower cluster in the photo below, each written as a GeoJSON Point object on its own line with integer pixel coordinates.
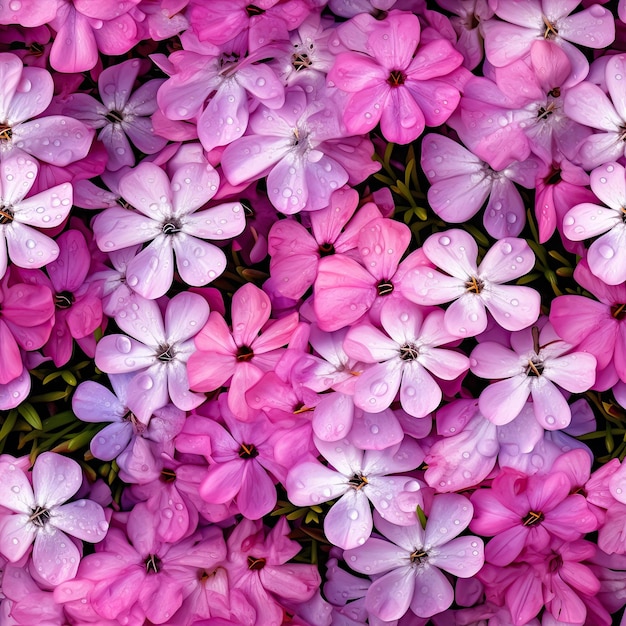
{"type": "Point", "coordinates": [312, 312]}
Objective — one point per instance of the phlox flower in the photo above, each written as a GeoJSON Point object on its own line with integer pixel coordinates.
{"type": "Point", "coordinates": [83, 29]}
{"type": "Point", "coordinates": [287, 146]}
{"type": "Point", "coordinates": [521, 511]}
{"type": "Point", "coordinates": [123, 113]}
{"type": "Point", "coordinates": [393, 81]}
{"type": "Point", "coordinates": [21, 217]}
{"type": "Point", "coordinates": [606, 256]}
{"type": "Point", "coordinates": [461, 183]}
{"type": "Point", "coordinates": [30, 13]}
{"type": "Point", "coordinates": [538, 362]}
{"type": "Point", "coordinates": [93, 402]}
{"type": "Point", "coordinates": [242, 356]}
{"type": "Point", "coordinates": [26, 319]}
{"type": "Point", "coordinates": [475, 290]}
{"type": "Point", "coordinates": [350, 286]}
{"type": "Point", "coordinates": [258, 566]}
{"type": "Point", "coordinates": [155, 575]}
{"type": "Point", "coordinates": [218, 86]}
{"type": "Point", "coordinates": [40, 514]}
{"type": "Point", "coordinates": [239, 458]}
{"type": "Point", "coordinates": [166, 214]}
{"type": "Point", "coordinates": [26, 93]}
{"type": "Point", "coordinates": [594, 326]}
{"type": "Point", "coordinates": [527, 21]}
{"type": "Point", "coordinates": [409, 560]}
{"type": "Point", "coordinates": [403, 358]}
{"type": "Point", "coordinates": [588, 104]}
{"type": "Point", "coordinates": [157, 350]}
{"type": "Point", "coordinates": [358, 478]}
{"type": "Point", "coordinates": [78, 308]}
{"type": "Point", "coordinates": [295, 252]}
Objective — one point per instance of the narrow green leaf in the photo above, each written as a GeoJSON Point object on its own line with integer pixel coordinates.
{"type": "Point", "coordinates": [421, 516]}
{"type": "Point", "coordinates": [51, 377]}
{"type": "Point", "coordinates": [27, 411]}
{"type": "Point", "coordinates": [8, 424]}
{"type": "Point", "coordinates": [69, 378]}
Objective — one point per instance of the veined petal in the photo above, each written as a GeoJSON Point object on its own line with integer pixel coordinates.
{"type": "Point", "coordinates": [377, 386]}
{"type": "Point", "coordinates": [311, 483]}
{"type": "Point", "coordinates": [502, 401]}
{"type": "Point", "coordinates": [83, 519]}
{"type": "Point", "coordinates": [16, 536]}
{"type": "Point", "coordinates": [348, 524]}
{"type": "Point", "coordinates": [198, 262]}
{"type": "Point", "coordinates": [17, 493]}
{"type": "Point", "coordinates": [55, 557]}
{"type": "Point", "coordinates": [151, 272]}
{"type": "Point", "coordinates": [454, 251]}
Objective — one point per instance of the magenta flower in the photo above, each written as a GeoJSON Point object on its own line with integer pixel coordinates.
{"type": "Point", "coordinates": [243, 356]}
{"type": "Point", "coordinates": [158, 349]}
{"type": "Point", "coordinates": [40, 514]}
{"type": "Point", "coordinates": [528, 511]}
{"type": "Point", "coordinates": [166, 214]}
{"type": "Point", "coordinates": [538, 363]}
{"type": "Point", "coordinates": [403, 359]}
{"type": "Point", "coordinates": [475, 290]}
{"type": "Point", "coordinates": [410, 559]}
{"type": "Point", "coordinates": [393, 81]}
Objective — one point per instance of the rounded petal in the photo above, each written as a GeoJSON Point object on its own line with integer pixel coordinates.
{"type": "Point", "coordinates": [83, 519]}
{"type": "Point", "coordinates": [198, 262]}
{"type": "Point", "coordinates": [348, 524]}
{"type": "Point", "coordinates": [55, 557]}
{"type": "Point", "coordinates": [151, 272]}
{"type": "Point", "coordinates": [502, 401]}
{"type": "Point", "coordinates": [56, 478]}
{"type": "Point", "coordinates": [390, 605]}
{"type": "Point", "coordinates": [454, 251]}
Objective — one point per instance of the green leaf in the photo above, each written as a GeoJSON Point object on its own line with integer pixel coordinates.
{"type": "Point", "coordinates": [51, 396]}
{"type": "Point", "coordinates": [8, 424]}
{"type": "Point", "coordinates": [27, 411]}
{"type": "Point", "coordinates": [609, 442]}
{"type": "Point", "coordinates": [51, 377]}
{"type": "Point", "coordinates": [421, 516]}
{"type": "Point", "coordinates": [69, 378]}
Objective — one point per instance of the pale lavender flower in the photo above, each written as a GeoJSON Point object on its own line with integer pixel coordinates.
{"type": "Point", "coordinates": [41, 514]}
{"type": "Point", "coordinates": [412, 560]}
{"type": "Point", "coordinates": [157, 349]}
{"type": "Point", "coordinates": [167, 215]}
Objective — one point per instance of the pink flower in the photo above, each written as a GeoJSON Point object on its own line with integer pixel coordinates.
{"type": "Point", "coordinates": [39, 515]}
{"type": "Point", "coordinates": [472, 289]}
{"type": "Point", "coordinates": [521, 511]}
{"type": "Point", "coordinates": [242, 356]}
{"type": "Point", "coordinates": [393, 81]}
{"type": "Point", "coordinates": [411, 558]}
{"type": "Point", "coordinates": [538, 362]}
{"type": "Point", "coordinates": [403, 359]}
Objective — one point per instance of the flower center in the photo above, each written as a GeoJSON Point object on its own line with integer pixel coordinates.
{"type": "Point", "coordinates": [409, 352]}
{"type": "Point", "coordinates": [554, 177]}
{"type": "Point", "coordinates": [39, 516]}
{"type": "Point", "coordinates": [255, 564]}
{"type": "Point", "coordinates": [534, 367]}
{"type": "Point", "coordinates": [171, 227]}
{"type": "Point", "coordinates": [301, 61]}
{"type": "Point", "coordinates": [6, 215]}
{"type": "Point", "coordinates": [115, 117]}
{"type": "Point", "coordinates": [245, 354]}
{"type": "Point", "coordinates": [551, 31]}
{"type": "Point", "coordinates": [153, 564]}
{"type": "Point", "coordinates": [167, 475]}
{"type": "Point", "coordinates": [5, 132]}
{"type": "Point", "coordinates": [618, 311]}
{"type": "Point", "coordinates": [63, 300]}
{"type": "Point", "coordinates": [326, 248]}
{"type": "Point", "coordinates": [165, 353]}
{"type": "Point", "coordinates": [138, 427]}
{"type": "Point", "coordinates": [248, 451]}
{"type": "Point", "coordinates": [544, 112]}
{"type": "Point", "coordinates": [474, 285]}
{"type": "Point", "coordinates": [358, 481]}
{"type": "Point", "coordinates": [253, 10]}
{"type": "Point", "coordinates": [418, 556]}
{"type": "Point", "coordinates": [385, 287]}
{"type": "Point", "coordinates": [533, 518]}
{"type": "Point", "coordinates": [396, 78]}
